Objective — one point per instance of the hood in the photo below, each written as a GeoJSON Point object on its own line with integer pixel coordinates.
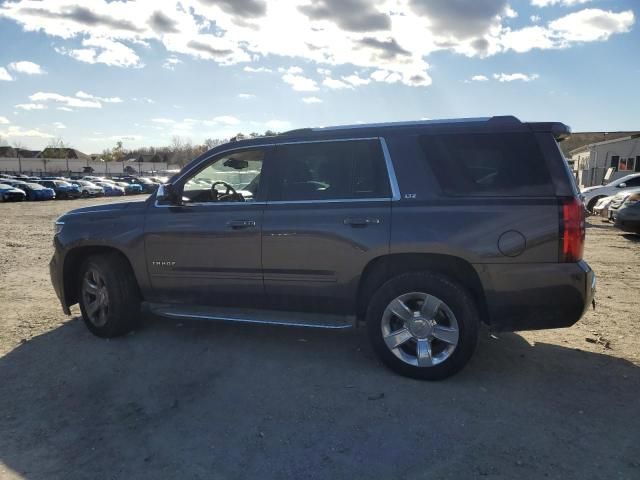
{"type": "Point", "coordinates": [106, 209]}
{"type": "Point", "coordinates": [590, 189]}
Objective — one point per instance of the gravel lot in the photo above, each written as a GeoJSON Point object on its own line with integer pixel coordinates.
{"type": "Point", "coordinates": [195, 400]}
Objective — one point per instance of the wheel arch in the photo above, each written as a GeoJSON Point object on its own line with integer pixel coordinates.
{"type": "Point", "coordinates": [73, 261]}
{"type": "Point", "coordinates": [383, 268]}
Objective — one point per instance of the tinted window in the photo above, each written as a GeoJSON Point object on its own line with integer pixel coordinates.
{"type": "Point", "coordinates": [504, 164]}
{"type": "Point", "coordinates": [633, 182]}
{"type": "Point", "coordinates": [330, 171]}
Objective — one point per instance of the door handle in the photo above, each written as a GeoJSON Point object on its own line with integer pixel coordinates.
{"type": "Point", "coordinates": [238, 224]}
{"type": "Point", "coordinates": [361, 221]}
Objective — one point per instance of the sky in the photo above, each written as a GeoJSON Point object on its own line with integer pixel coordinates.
{"type": "Point", "coordinates": [96, 72]}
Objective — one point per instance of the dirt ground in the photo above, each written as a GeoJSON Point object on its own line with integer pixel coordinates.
{"type": "Point", "coordinates": [196, 400]}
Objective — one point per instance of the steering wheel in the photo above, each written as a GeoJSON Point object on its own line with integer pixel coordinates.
{"type": "Point", "coordinates": [229, 194]}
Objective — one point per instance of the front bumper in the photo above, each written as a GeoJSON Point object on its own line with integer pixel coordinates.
{"type": "Point", "coordinates": [57, 280]}
{"type": "Point", "coordinates": [537, 296]}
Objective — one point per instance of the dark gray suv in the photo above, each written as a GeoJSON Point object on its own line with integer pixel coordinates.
{"type": "Point", "coordinates": [421, 230]}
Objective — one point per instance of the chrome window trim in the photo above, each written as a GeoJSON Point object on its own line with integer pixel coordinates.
{"type": "Point", "coordinates": [391, 175]}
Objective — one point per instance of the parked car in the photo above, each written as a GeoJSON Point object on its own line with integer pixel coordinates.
{"type": "Point", "coordinates": [601, 208]}
{"type": "Point", "coordinates": [9, 193]}
{"type": "Point", "coordinates": [35, 191]}
{"type": "Point", "coordinates": [147, 185]}
{"type": "Point", "coordinates": [15, 183]}
{"type": "Point", "coordinates": [591, 195]}
{"type": "Point", "coordinates": [131, 188]}
{"type": "Point", "coordinates": [627, 218]}
{"type": "Point", "coordinates": [89, 189]}
{"type": "Point", "coordinates": [420, 230]}
{"type": "Point", "coordinates": [64, 190]}
{"type": "Point", "coordinates": [617, 201]}
{"type": "Point", "coordinates": [111, 189]}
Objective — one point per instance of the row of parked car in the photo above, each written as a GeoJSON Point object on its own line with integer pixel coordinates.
{"type": "Point", "coordinates": [617, 201]}
{"type": "Point", "coordinates": [17, 188]}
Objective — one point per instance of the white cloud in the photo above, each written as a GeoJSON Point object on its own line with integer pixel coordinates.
{"type": "Point", "coordinates": [292, 70]}
{"type": "Point", "coordinates": [334, 84]}
{"type": "Point", "coordinates": [163, 121]}
{"type": "Point", "coordinates": [28, 68]}
{"type": "Point", "coordinates": [65, 109]}
{"type": "Point", "coordinates": [171, 62]}
{"type": "Point", "coordinates": [66, 101]}
{"type": "Point", "coordinates": [88, 96]}
{"type": "Point", "coordinates": [535, 18]}
{"type": "Point", "coordinates": [15, 131]}
{"type": "Point", "coordinates": [479, 78]}
{"type": "Point", "coordinates": [4, 121]}
{"type": "Point", "coordinates": [59, 125]}
{"type": "Point", "coordinates": [566, 3]}
{"type": "Point", "coordinates": [391, 38]}
{"type": "Point", "coordinates": [512, 77]}
{"type": "Point", "coordinates": [300, 83]}
{"type": "Point", "coordinates": [356, 80]}
{"type": "Point", "coordinates": [278, 125]}
{"type": "Point", "coordinates": [587, 25]}
{"type": "Point", "coordinates": [311, 100]}
{"type": "Point", "coordinates": [4, 75]}
{"type": "Point", "coordinates": [246, 96]}
{"type": "Point", "coordinates": [257, 69]}
{"type": "Point", "coordinates": [104, 50]}
{"type": "Point", "coordinates": [31, 106]}
{"type": "Point", "coordinates": [226, 120]}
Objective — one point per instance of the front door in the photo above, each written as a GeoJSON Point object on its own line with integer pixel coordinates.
{"type": "Point", "coordinates": [206, 249]}
{"type": "Point", "coordinates": [327, 216]}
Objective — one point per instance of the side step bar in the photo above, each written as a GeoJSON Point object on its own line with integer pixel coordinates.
{"type": "Point", "coordinates": [268, 317]}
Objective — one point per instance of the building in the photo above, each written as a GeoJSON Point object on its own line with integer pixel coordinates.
{"type": "Point", "coordinates": [599, 162]}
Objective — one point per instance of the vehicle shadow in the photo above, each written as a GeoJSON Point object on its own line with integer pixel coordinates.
{"type": "Point", "coordinates": [632, 237]}
{"type": "Point", "coordinates": [203, 400]}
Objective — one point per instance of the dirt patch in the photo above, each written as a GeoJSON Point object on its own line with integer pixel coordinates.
{"type": "Point", "coordinates": [199, 400]}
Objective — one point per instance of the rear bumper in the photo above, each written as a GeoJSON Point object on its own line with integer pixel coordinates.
{"type": "Point", "coordinates": [537, 296]}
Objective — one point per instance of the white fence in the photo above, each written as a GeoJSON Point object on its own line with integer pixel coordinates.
{"type": "Point", "coordinates": [57, 166]}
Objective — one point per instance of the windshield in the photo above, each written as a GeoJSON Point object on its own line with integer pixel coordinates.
{"type": "Point", "coordinates": [34, 186]}
{"type": "Point", "coordinates": [60, 183]}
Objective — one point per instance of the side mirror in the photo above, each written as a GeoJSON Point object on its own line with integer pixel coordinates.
{"type": "Point", "coordinates": [622, 185]}
{"type": "Point", "coordinates": [167, 194]}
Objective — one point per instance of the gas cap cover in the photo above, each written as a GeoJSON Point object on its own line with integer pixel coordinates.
{"type": "Point", "coordinates": [512, 243]}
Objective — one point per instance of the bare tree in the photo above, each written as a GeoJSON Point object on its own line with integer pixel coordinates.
{"type": "Point", "coordinates": [18, 145]}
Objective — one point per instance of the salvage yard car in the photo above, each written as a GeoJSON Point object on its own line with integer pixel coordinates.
{"type": "Point", "coordinates": [9, 193]}
{"type": "Point", "coordinates": [591, 195]}
{"type": "Point", "coordinates": [35, 191]}
{"type": "Point", "coordinates": [420, 230]}
{"type": "Point", "coordinates": [64, 190]}
{"type": "Point", "coordinates": [627, 217]}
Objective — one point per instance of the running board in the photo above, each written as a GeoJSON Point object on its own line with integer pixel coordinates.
{"type": "Point", "coordinates": [269, 317]}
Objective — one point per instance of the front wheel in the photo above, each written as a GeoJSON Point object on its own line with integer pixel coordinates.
{"type": "Point", "coordinates": [423, 325]}
{"type": "Point", "coordinates": [109, 295]}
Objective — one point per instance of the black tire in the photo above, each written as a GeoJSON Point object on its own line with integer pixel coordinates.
{"type": "Point", "coordinates": [85, 194]}
{"type": "Point", "coordinates": [455, 297]}
{"type": "Point", "coordinates": [123, 312]}
{"type": "Point", "coordinates": [592, 203]}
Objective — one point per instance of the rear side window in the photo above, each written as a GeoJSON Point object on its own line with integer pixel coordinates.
{"type": "Point", "coordinates": [330, 171]}
{"type": "Point", "coordinates": [500, 164]}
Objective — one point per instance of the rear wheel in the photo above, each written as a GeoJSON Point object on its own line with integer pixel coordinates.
{"type": "Point", "coordinates": [109, 297]}
{"type": "Point", "coordinates": [423, 325]}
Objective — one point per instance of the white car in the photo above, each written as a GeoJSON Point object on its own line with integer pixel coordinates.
{"type": "Point", "coordinates": [89, 189]}
{"type": "Point", "coordinates": [591, 195]}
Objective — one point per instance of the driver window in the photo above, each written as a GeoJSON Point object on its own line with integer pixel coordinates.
{"type": "Point", "coordinates": [232, 178]}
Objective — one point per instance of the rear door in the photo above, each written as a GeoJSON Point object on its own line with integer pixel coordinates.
{"type": "Point", "coordinates": [328, 214]}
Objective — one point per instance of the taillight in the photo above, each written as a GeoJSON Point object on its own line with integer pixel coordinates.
{"type": "Point", "coordinates": [572, 230]}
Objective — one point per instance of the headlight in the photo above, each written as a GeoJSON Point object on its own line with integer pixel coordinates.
{"type": "Point", "coordinates": [57, 227]}
{"type": "Point", "coordinates": [632, 199]}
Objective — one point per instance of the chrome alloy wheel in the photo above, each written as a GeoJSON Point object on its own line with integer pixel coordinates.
{"type": "Point", "coordinates": [420, 329]}
{"type": "Point", "coordinates": [95, 297]}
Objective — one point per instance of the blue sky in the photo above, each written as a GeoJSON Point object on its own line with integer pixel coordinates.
{"type": "Point", "coordinates": [95, 72]}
